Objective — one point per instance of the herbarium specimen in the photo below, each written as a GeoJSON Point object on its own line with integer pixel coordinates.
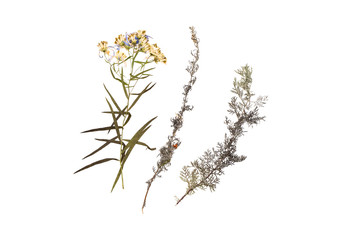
{"type": "Point", "coordinates": [128, 60]}
{"type": "Point", "coordinates": [205, 172]}
{"type": "Point", "coordinates": [128, 69]}
{"type": "Point", "coordinates": [173, 142]}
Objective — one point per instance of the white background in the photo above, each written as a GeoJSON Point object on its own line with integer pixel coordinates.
{"type": "Point", "coordinates": [300, 180]}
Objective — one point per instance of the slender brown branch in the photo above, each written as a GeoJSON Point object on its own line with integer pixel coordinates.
{"type": "Point", "coordinates": [167, 151]}
{"type": "Point", "coordinates": [149, 185]}
{"type": "Point", "coordinates": [187, 192]}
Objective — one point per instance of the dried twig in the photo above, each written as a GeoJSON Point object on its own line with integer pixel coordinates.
{"type": "Point", "coordinates": [205, 172]}
{"type": "Point", "coordinates": [167, 151]}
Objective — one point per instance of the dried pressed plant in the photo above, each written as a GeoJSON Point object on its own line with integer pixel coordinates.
{"type": "Point", "coordinates": [205, 172]}
{"type": "Point", "coordinates": [123, 58]}
{"type": "Point", "coordinates": [128, 69]}
{"type": "Point", "coordinates": [167, 151]}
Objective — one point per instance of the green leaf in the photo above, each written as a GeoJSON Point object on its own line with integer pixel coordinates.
{"type": "Point", "coordinates": [96, 163]}
{"type": "Point", "coordinates": [101, 147]}
{"type": "Point", "coordinates": [119, 137]}
{"type": "Point", "coordinates": [144, 76]}
{"type": "Point", "coordinates": [142, 63]}
{"type": "Point", "coordinates": [126, 140]}
{"type": "Point", "coordinates": [144, 71]}
{"type": "Point", "coordinates": [136, 77]}
{"type": "Point", "coordinates": [128, 118]}
{"type": "Point", "coordinates": [130, 147]}
{"type": "Point", "coordinates": [142, 144]}
{"type": "Point", "coordinates": [122, 112]}
{"type": "Point", "coordinates": [132, 144]}
{"type": "Point", "coordinates": [112, 99]}
{"type": "Point", "coordinates": [116, 112]}
{"type": "Point", "coordinates": [99, 129]}
{"type": "Point", "coordinates": [112, 73]}
{"type": "Point", "coordinates": [117, 178]}
{"type": "Point", "coordinates": [147, 88]}
{"type": "Point", "coordinates": [111, 141]}
{"type": "Point", "coordinates": [126, 93]}
{"type": "Point", "coordinates": [115, 121]}
{"type": "Point", "coordinates": [112, 124]}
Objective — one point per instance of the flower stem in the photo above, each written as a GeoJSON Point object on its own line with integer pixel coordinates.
{"type": "Point", "coordinates": [129, 91]}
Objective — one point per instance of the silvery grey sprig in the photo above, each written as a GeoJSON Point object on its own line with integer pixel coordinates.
{"type": "Point", "coordinates": [205, 172]}
{"type": "Point", "coordinates": [166, 152]}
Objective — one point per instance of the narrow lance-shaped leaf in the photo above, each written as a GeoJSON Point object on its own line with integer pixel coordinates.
{"type": "Point", "coordinates": [147, 70]}
{"type": "Point", "coordinates": [144, 76]}
{"type": "Point", "coordinates": [117, 117]}
{"type": "Point", "coordinates": [112, 99]}
{"type": "Point", "coordinates": [126, 93]}
{"type": "Point", "coordinates": [146, 89]}
{"type": "Point", "coordinates": [141, 93]}
{"type": "Point", "coordinates": [101, 147]}
{"type": "Point", "coordinates": [112, 124]}
{"type": "Point", "coordinates": [130, 146]}
{"type": "Point", "coordinates": [115, 112]}
{"type": "Point", "coordinates": [142, 144]}
{"type": "Point", "coordinates": [96, 163]}
{"type": "Point", "coordinates": [123, 160]}
{"type": "Point", "coordinates": [142, 63]}
{"type": "Point", "coordinates": [128, 118]}
{"type": "Point", "coordinates": [111, 141]}
{"type": "Point", "coordinates": [115, 121]}
{"type": "Point", "coordinates": [99, 129]}
{"type": "Point", "coordinates": [126, 140]}
{"type": "Point", "coordinates": [140, 73]}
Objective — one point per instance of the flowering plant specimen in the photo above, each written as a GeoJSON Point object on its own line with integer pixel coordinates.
{"type": "Point", "coordinates": [127, 68]}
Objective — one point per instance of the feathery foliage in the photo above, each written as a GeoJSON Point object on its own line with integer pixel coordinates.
{"type": "Point", "coordinates": [166, 152]}
{"type": "Point", "coordinates": [204, 173]}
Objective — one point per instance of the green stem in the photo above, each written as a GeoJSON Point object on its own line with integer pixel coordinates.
{"type": "Point", "coordinates": [129, 90]}
{"type": "Point", "coordinates": [126, 110]}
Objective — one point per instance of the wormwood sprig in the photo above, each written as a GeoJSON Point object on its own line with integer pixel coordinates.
{"type": "Point", "coordinates": [127, 67]}
{"type": "Point", "coordinates": [166, 152]}
{"type": "Point", "coordinates": [205, 172]}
